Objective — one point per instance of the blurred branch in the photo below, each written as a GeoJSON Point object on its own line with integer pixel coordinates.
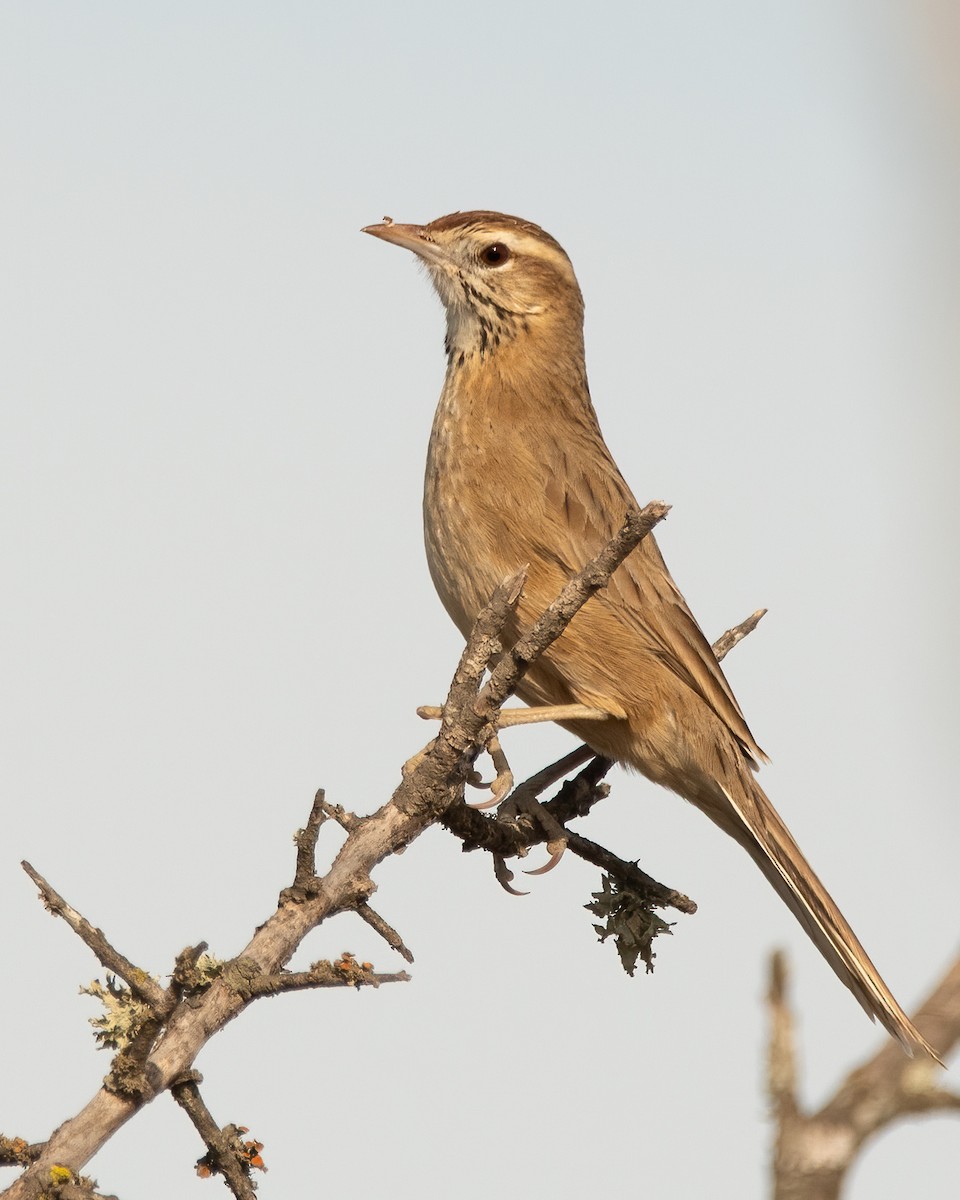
{"type": "Point", "coordinates": [813, 1152]}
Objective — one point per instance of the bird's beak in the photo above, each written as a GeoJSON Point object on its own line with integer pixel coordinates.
{"type": "Point", "coordinates": [410, 237]}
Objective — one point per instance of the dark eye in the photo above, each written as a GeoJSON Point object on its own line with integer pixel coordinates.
{"type": "Point", "coordinates": [495, 255]}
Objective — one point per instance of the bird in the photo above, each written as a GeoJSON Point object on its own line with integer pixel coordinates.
{"type": "Point", "coordinates": [518, 473]}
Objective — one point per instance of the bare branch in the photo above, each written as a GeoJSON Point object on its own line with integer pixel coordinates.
{"type": "Point", "coordinates": [654, 893]}
{"type": "Point", "coordinates": [814, 1151]}
{"type": "Point", "coordinates": [306, 842]}
{"type": "Point", "coordinates": [345, 972]}
{"type": "Point", "coordinates": [138, 981]}
{"type": "Point", "coordinates": [346, 820]}
{"type": "Point", "coordinates": [221, 1157]}
{"type": "Point", "coordinates": [726, 641]}
{"type": "Point", "coordinates": [387, 932]}
{"type": "Point", "coordinates": [425, 792]}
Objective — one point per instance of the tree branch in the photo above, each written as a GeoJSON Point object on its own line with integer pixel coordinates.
{"type": "Point", "coordinates": [223, 1156]}
{"type": "Point", "coordinates": [387, 932]}
{"type": "Point", "coordinates": [733, 637]}
{"type": "Point", "coordinates": [814, 1151]}
{"type": "Point", "coordinates": [138, 981]}
{"type": "Point", "coordinates": [428, 788]}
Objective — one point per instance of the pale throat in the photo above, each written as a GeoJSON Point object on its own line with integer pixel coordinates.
{"type": "Point", "coordinates": [479, 320]}
{"type": "Point", "coordinates": [477, 330]}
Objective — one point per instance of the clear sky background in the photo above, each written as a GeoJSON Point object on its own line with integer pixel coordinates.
{"type": "Point", "coordinates": [216, 396]}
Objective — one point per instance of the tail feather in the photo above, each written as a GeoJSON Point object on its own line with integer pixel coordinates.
{"type": "Point", "coordinates": [753, 822]}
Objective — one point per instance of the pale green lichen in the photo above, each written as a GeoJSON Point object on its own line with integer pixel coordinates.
{"type": "Point", "coordinates": [209, 968]}
{"type": "Point", "coordinates": [123, 1017]}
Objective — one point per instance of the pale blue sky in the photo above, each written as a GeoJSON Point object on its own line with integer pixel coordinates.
{"type": "Point", "coordinates": [215, 401]}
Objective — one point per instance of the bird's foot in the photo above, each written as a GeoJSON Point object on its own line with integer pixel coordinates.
{"type": "Point", "coordinates": [507, 719]}
{"type": "Point", "coordinates": [501, 783]}
{"type": "Point", "coordinates": [524, 799]}
{"type": "Point", "coordinates": [524, 802]}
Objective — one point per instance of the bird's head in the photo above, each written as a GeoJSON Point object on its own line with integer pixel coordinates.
{"type": "Point", "coordinates": [501, 279]}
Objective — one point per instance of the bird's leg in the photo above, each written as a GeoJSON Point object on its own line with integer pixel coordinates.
{"type": "Point", "coordinates": [531, 716]}
{"type": "Point", "coordinates": [551, 712]}
{"type": "Point", "coordinates": [525, 797]}
{"type": "Point", "coordinates": [503, 781]}
{"type": "Point", "coordinates": [555, 772]}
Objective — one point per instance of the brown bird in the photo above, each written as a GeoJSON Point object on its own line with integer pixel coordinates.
{"type": "Point", "coordinates": [518, 472]}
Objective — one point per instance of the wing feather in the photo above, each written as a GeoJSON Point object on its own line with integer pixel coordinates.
{"type": "Point", "coordinates": [590, 507]}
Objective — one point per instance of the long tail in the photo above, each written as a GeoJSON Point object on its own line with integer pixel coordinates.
{"type": "Point", "coordinates": [751, 820]}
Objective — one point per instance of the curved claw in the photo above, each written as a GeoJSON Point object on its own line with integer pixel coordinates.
{"type": "Point", "coordinates": [498, 789]}
{"type": "Point", "coordinates": [501, 785]}
{"type": "Point", "coordinates": [556, 853]}
{"type": "Point", "coordinates": [482, 804]}
{"type": "Point", "coordinates": [504, 777]}
{"type": "Point", "coordinates": [474, 780]}
{"type": "Point", "coordinates": [504, 780]}
{"type": "Point", "coordinates": [504, 875]}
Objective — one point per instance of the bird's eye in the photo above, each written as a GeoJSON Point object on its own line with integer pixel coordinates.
{"type": "Point", "coordinates": [495, 255]}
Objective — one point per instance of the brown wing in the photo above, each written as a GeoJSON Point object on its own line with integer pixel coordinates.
{"type": "Point", "coordinates": [590, 499]}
